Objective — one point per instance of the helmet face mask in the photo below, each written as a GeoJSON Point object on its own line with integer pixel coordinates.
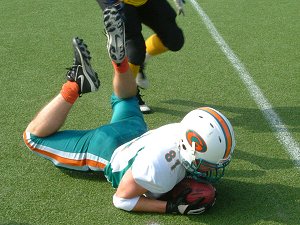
{"type": "Point", "coordinates": [199, 169]}
{"type": "Point", "coordinates": [207, 143]}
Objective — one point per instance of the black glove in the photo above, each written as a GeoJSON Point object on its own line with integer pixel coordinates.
{"type": "Point", "coordinates": [180, 205]}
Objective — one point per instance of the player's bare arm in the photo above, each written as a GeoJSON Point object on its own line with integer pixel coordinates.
{"type": "Point", "coordinates": [129, 189]}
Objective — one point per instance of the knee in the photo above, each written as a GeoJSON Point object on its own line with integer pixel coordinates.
{"type": "Point", "coordinates": [136, 50]}
{"type": "Point", "coordinates": [27, 140]}
{"type": "Point", "coordinates": [174, 40]}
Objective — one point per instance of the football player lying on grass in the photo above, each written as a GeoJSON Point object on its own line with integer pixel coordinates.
{"type": "Point", "coordinates": [142, 165]}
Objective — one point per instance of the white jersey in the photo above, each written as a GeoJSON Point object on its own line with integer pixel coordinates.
{"type": "Point", "coordinates": [153, 159]}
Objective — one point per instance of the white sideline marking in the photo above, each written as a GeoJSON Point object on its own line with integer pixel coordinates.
{"type": "Point", "coordinates": [281, 132]}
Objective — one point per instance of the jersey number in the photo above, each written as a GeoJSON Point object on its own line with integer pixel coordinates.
{"type": "Point", "coordinates": [170, 156]}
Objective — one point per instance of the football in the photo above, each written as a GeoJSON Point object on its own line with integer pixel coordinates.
{"type": "Point", "coordinates": [198, 190]}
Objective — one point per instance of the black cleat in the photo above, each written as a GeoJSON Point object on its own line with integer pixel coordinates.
{"type": "Point", "coordinates": [81, 71]}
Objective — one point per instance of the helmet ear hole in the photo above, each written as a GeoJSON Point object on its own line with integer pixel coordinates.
{"type": "Point", "coordinates": [182, 145]}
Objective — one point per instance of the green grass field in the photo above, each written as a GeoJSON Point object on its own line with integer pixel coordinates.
{"type": "Point", "coordinates": [262, 183]}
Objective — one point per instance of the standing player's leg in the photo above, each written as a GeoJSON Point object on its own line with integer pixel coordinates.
{"type": "Point", "coordinates": [168, 35]}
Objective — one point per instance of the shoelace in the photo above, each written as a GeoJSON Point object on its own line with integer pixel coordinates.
{"type": "Point", "coordinates": [71, 71]}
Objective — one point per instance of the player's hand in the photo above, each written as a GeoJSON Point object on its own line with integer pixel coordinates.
{"type": "Point", "coordinates": [179, 5]}
{"type": "Point", "coordinates": [180, 205]}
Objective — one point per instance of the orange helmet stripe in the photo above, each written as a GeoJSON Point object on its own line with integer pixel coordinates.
{"type": "Point", "coordinates": [224, 126]}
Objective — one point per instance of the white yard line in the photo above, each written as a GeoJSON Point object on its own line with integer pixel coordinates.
{"type": "Point", "coordinates": [281, 132]}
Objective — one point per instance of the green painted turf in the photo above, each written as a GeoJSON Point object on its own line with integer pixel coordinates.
{"type": "Point", "coordinates": [262, 185]}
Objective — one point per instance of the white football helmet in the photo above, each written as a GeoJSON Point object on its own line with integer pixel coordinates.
{"type": "Point", "coordinates": [206, 143]}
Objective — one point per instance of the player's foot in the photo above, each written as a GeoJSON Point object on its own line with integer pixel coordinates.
{"type": "Point", "coordinates": [81, 71]}
{"type": "Point", "coordinates": [143, 107]}
{"type": "Point", "coordinates": [115, 32]}
{"type": "Point", "coordinates": [141, 78]}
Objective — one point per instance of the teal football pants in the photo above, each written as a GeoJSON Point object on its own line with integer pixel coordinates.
{"type": "Point", "coordinates": [91, 149]}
